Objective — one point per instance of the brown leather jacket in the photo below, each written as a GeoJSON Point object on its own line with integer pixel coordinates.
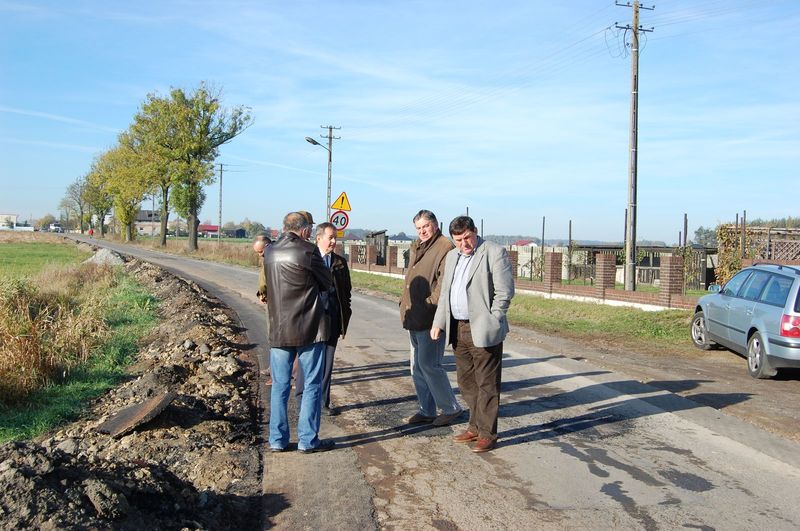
{"type": "Point", "coordinates": [296, 275]}
{"type": "Point", "coordinates": [423, 282]}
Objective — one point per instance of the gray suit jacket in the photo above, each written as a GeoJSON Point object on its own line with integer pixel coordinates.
{"type": "Point", "coordinates": [490, 287]}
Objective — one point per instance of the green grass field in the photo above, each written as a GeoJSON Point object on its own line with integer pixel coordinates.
{"type": "Point", "coordinates": [128, 311]}
{"type": "Point", "coordinates": [26, 259]}
{"type": "Point", "coordinates": [630, 327]}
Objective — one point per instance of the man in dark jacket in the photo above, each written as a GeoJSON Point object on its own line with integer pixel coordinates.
{"type": "Point", "coordinates": [298, 327]}
{"type": "Point", "coordinates": [337, 304]}
{"type": "Point", "coordinates": [417, 308]}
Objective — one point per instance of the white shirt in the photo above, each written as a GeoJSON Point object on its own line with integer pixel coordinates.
{"type": "Point", "coordinates": [459, 307]}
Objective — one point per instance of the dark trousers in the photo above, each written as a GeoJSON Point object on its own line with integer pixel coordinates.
{"type": "Point", "coordinates": [479, 371]}
{"type": "Point", "coordinates": [330, 350]}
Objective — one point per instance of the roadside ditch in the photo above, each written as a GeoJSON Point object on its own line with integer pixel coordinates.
{"type": "Point", "coordinates": [175, 446]}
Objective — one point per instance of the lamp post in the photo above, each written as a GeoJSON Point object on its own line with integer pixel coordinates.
{"type": "Point", "coordinates": [329, 149]}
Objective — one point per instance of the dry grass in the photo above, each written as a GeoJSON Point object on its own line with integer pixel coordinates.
{"type": "Point", "coordinates": [37, 237]}
{"type": "Point", "coordinates": [49, 324]}
{"type": "Point", "coordinates": [240, 253]}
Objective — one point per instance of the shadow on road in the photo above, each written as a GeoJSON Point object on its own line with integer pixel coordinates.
{"type": "Point", "coordinates": [621, 412]}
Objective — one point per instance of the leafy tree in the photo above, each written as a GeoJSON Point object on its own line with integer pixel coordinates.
{"type": "Point", "coordinates": [74, 200]}
{"type": "Point", "coordinates": [187, 130]}
{"type": "Point", "coordinates": [254, 228]}
{"type": "Point", "coordinates": [45, 221]}
{"type": "Point", "coordinates": [127, 179]}
{"type": "Point", "coordinates": [705, 237]}
{"type": "Point", "coordinates": [97, 194]}
{"type": "Point", "coordinates": [781, 223]}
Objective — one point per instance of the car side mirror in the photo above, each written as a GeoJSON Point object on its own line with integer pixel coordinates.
{"type": "Point", "coordinates": [714, 288]}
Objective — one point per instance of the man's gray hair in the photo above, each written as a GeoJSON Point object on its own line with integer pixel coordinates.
{"type": "Point", "coordinates": [426, 215]}
{"type": "Point", "coordinates": [295, 222]}
{"type": "Point", "coordinates": [325, 225]}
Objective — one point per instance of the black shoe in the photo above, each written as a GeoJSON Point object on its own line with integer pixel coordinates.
{"type": "Point", "coordinates": [324, 446]}
{"type": "Point", "coordinates": [277, 450]}
{"type": "Point", "coordinates": [330, 411]}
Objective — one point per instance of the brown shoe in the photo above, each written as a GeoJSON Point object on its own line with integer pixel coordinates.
{"type": "Point", "coordinates": [483, 445]}
{"type": "Point", "coordinates": [445, 419]}
{"type": "Point", "coordinates": [419, 418]}
{"type": "Point", "coordinates": [465, 437]}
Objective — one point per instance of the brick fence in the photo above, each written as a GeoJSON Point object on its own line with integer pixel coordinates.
{"type": "Point", "coordinates": [670, 294]}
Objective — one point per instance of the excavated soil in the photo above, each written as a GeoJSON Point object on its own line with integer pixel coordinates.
{"type": "Point", "coordinates": [196, 465]}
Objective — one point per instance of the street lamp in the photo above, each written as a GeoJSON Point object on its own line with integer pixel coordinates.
{"type": "Point", "coordinates": [330, 160]}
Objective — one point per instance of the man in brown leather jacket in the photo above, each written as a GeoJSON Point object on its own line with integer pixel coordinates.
{"type": "Point", "coordinates": [417, 308]}
{"type": "Point", "coordinates": [298, 327]}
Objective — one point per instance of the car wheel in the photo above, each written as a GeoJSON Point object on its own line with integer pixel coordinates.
{"type": "Point", "coordinates": [699, 332]}
{"type": "Point", "coordinates": [757, 364]}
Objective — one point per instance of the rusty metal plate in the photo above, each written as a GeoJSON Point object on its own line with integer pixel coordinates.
{"type": "Point", "coordinates": [132, 416]}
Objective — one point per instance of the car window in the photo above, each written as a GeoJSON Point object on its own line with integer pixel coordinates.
{"type": "Point", "coordinates": [797, 301]}
{"type": "Point", "coordinates": [754, 285]}
{"type": "Point", "coordinates": [733, 285]}
{"type": "Point", "coordinates": [777, 290]}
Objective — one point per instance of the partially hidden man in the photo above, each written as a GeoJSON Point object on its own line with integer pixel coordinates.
{"type": "Point", "coordinates": [477, 288]}
{"type": "Point", "coordinates": [417, 308]}
{"type": "Point", "coordinates": [337, 303]}
{"type": "Point", "coordinates": [298, 328]}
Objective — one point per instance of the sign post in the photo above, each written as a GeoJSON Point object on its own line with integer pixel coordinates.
{"type": "Point", "coordinates": [340, 219]}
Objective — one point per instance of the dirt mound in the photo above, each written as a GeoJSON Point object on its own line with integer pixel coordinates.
{"type": "Point", "coordinates": [105, 257]}
{"type": "Point", "coordinates": [195, 465]}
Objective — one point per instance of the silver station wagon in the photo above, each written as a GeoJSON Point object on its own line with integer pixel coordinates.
{"type": "Point", "coordinates": [757, 314]}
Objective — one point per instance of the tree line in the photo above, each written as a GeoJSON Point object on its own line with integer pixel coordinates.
{"type": "Point", "coordinates": [168, 151]}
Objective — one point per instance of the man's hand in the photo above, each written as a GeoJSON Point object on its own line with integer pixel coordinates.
{"type": "Point", "coordinates": [435, 333]}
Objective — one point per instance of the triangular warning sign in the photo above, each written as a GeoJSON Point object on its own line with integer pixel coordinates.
{"type": "Point", "coordinates": [341, 203]}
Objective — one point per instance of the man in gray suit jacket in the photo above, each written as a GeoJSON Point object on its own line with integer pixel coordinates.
{"type": "Point", "coordinates": [477, 288]}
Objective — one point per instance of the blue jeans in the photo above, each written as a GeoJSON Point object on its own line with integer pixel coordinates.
{"type": "Point", "coordinates": [430, 378]}
{"type": "Point", "coordinates": [311, 364]}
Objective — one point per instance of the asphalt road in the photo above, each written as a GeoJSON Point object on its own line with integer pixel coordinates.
{"type": "Point", "coordinates": [581, 446]}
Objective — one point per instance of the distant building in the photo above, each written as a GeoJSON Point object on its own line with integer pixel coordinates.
{"type": "Point", "coordinates": [236, 232]}
{"type": "Point", "coordinates": [8, 221]}
{"type": "Point", "coordinates": [207, 231]}
{"type": "Point", "coordinates": [147, 222]}
{"type": "Point", "coordinates": [400, 239]}
{"type": "Point", "coordinates": [525, 243]}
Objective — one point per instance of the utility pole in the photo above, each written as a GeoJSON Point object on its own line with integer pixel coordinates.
{"type": "Point", "coordinates": [330, 138]}
{"type": "Point", "coordinates": [219, 227]}
{"type": "Point", "coordinates": [630, 230]}
{"type": "Point", "coordinates": [542, 257]}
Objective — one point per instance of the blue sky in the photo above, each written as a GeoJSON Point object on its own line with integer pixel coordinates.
{"type": "Point", "coordinates": [515, 110]}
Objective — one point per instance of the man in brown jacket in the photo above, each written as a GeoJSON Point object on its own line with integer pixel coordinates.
{"type": "Point", "coordinates": [417, 308]}
{"type": "Point", "coordinates": [298, 328]}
